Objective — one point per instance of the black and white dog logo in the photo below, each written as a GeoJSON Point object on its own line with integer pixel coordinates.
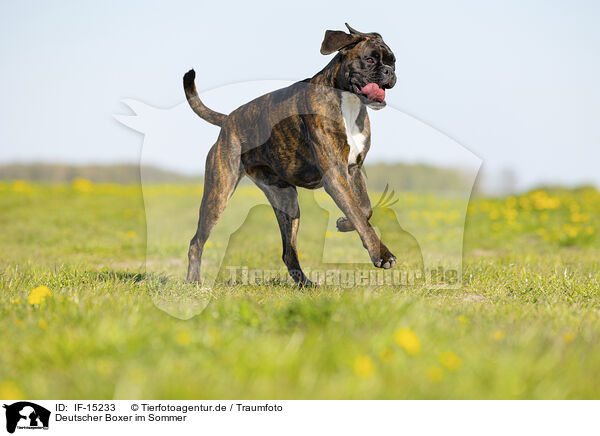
{"type": "Point", "coordinates": [26, 415]}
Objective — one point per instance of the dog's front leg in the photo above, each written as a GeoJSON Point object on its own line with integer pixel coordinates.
{"type": "Point", "coordinates": [337, 184]}
{"type": "Point", "coordinates": [359, 187]}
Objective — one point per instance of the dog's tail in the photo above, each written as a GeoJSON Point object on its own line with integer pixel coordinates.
{"type": "Point", "coordinates": [196, 104]}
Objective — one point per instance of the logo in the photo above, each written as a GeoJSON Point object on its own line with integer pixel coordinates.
{"type": "Point", "coordinates": [26, 415]}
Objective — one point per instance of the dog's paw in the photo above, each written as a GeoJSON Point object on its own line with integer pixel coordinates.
{"type": "Point", "coordinates": [301, 280]}
{"type": "Point", "coordinates": [343, 224]}
{"type": "Point", "coordinates": [384, 259]}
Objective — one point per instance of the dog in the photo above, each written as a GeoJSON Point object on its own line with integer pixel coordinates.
{"type": "Point", "coordinates": [312, 134]}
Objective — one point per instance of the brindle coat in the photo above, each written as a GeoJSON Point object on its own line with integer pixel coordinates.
{"type": "Point", "coordinates": [297, 136]}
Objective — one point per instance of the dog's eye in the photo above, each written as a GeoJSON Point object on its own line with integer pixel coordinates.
{"type": "Point", "coordinates": [370, 60]}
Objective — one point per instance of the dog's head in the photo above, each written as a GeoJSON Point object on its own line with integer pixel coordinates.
{"type": "Point", "coordinates": [367, 65]}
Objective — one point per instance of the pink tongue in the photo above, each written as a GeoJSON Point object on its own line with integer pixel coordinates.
{"type": "Point", "coordinates": [373, 92]}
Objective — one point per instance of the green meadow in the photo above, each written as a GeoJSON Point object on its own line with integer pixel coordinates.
{"type": "Point", "coordinates": [94, 305]}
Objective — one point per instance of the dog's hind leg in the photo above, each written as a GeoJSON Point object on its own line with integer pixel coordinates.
{"type": "Point", "coordinates": [221, 176]}
{"type": "Point", "coordinates": [284, 200]}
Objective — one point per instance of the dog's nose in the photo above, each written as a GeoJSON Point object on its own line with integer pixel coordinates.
{"type": "Point", "coordinates": [387, 71]}
{"type": "Point", "coordinates": [389, 76]}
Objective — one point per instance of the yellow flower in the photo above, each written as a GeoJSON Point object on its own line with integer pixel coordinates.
{"type": "Point", "coordinates": [568, 337]}
{"type": "Point", "coordinates": [463, 319]}
{"type": "Point", "coordinates": [510, 214]}
{"type": "Point", "coordinates": [542, 200]}
{"type": "Point", "coordinates": [450, 360]}
{"type": "Point", "coordinates": [572, 231]}
{"type": "Point", "coordinates": [498, 335]}
{"type": "Point", "coordinates": [434, 373]}
{"type": "Point", "coordinates": [386, 355]}
{"type": "Point", "coordinates": [20, 186]}
{"type": "Point", "coordinates": [82, 185]}
{"type": "Point", "coordinates": [524, 203]}
{"type": "Point", "coordinates": [408, 340]}
{"type": "Point", "coordinates": [183, 338]}
{"type": "Point", "coordinates": [38, 295]}
{"type": "Point", "coordinates": [363, 366]}
{"type": "Point", "coordinates": [579, 217]}
{"type": "Point", "coordinates": [42, 324]}
{"type": "Point", "coordinates": [130, 234]}
{"type": "Point", "coordinates": [10, 391]}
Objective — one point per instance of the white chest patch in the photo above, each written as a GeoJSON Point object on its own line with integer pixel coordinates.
{"type": "Point", "coordinates": [356, 140]}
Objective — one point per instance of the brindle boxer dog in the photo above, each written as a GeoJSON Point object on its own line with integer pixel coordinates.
{"type": "Point", "coordinates": [312, 134]}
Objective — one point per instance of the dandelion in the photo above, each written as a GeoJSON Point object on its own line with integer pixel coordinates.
{"type": "Point", "coordinates": [38, 295]}
{"type": "Point", "coordinates": [408, 340]}
{"type": "Point", "coordinates": [434, 373]}
{"type": "Point", "coordinates": [541, 200]}
{"type": "Point", "coordinates": [130, 234]}
{"type": "Point", "coordinates": [364, 366]}
{"type": "Point", "coordinates": [42, 324]}
{"type": "Point", "coordinates": [498, 335]}
{"type": "Point", "coordinates": [10, 391]}
{"type": "Point", "coordinates": [579, 217]}
{"type": "Point", "coordinates": [568, 337]}
{"type": "Point", "coordinates": [570, 230]}
{"type": "Point", "coordinates": [82, 185]}
{"type": "Point", "coordinates": [510, 214]}
{"type": "Point", "coordinates": [19, 186]}
{"type": "Point", "coordinates": [450, 360]}
{"type": "Point", "coordinates": [463, 319]}
{"type": "Point", "coordinates": [183, 338]}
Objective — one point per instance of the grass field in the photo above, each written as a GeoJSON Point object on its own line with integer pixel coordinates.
{"type": "Point", "coordinates": [81, 316]}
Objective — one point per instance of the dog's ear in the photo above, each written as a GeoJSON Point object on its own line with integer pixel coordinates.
{"type": "Point", "coordinates": [356, 32]}
{"type": "Point", "coordinates": [336, 40]}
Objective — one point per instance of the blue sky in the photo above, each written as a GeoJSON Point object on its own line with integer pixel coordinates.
{"type": "Point", "coordinates": [515, 82]}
